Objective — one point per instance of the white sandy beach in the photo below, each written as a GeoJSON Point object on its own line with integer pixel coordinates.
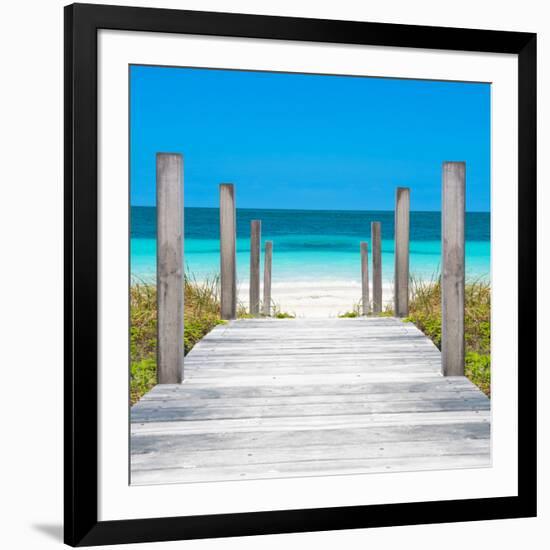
{"type": "Point", "coordinates": [324, 298]}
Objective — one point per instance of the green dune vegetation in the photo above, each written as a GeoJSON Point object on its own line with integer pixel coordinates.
{"type": "Point", "coordinates": [425, 313]}
{"type": "Point", "coordinates": [202, 314]}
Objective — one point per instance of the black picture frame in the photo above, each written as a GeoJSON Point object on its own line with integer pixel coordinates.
{"type": "Point", "coordinates": [82, 22]}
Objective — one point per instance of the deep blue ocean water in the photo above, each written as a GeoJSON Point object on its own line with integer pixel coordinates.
{"type": "Point", "coordinates": [309, 244]}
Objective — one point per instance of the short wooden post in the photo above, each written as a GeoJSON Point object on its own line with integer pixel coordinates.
{"type": "Point", "coordinates": [453, 278]}
{"type": "Point", "coordinates": [364, 247]}
{"type": "Point", "coordinates": [376, 237]}
{"type": "Point", "coordinates": [228, 262]}
{"type": "Point", "coordinates": [169, 268]}
{"type": "Point", "coordinates": [254, 288]}
{"type": "Point", "coordinates": [401, 277]}
{"type": "Point", "coordinates": [267, 278]}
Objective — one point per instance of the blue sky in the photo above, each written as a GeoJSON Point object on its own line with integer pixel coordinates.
{"type": "Point", "coordinates": [308, 141]}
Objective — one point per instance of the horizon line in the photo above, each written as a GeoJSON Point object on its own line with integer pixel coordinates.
{"type": "Point", "coordinates": [308, 209]}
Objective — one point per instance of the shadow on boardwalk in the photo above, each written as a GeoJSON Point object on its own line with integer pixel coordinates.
{"type": "Point", "coordinates": [272, 398]}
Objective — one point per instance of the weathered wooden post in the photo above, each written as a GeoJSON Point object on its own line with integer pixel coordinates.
{"type": "Point", "coordinates": [364, 247]}
{"type": "Point", "coordinates": [401, 276]}
{"type": "Point", "coordinates": [169, 268]}
{"type": "Point", "coordinates": [376, 237]}
{"type": "Point", "coordinates": [254, 288]}
{"type": "Point", "coordinates": [452, 279]}
{"type": "Point", "coordinates": [267, 277]}
{"type": "Point", "coordinates": [228, 263]}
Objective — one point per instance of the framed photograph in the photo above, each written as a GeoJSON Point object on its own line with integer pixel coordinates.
{"type": "Point", "coordinates": [300, 274]}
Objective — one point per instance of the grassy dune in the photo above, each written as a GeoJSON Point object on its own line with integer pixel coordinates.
{"type": "Point", "coordinates": [202, 314]}
{"type": "Point", "coordinates": [425, 313]}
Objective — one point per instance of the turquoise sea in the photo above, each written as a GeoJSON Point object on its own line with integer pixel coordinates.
{"type": "Point", "coordinates": [309, 245]}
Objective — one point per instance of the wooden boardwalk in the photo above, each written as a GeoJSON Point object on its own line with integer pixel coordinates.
{"type": "Point", "coordinates": [273, 398]}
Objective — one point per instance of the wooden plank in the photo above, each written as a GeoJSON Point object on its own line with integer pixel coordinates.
{"type": "Point", "coordinates": [290, 348]}
{"type": "Point", "coordinates": [431, 384]}
{"type": "Point", "coordinates": [309, 469]}
{"type": "Point", "coordinates": [155, 442]}
{"type": "Point", "coordinates": [254, 286]}
{"type": "Point", "coordinates": [296, 369]}
{"type": "Point", "coordinates": [191, 399]}
{"type": "Point", "coordinates": [337, 378]}
{"type": "Point", "coordinates": [156, 412]}
{"type": "Point", "coordinates": [190, 458]}
{"type": "Point", "coordinates": [298, 334]}
{"type": "Point", "coordinates": [313, 369]}
{"type": "Point", "coordinates": [169, 267]}
{"type": "Point", "coordinates": [386, 364]}
{"type": "Point", "coordinates": [453, 274]}
{"type": "Point", "coordinates": [223, 378]}
{"type": "Point", "coordinates": [376, 238]}
{"type": "Point", "coordinates": [377, 348]}
{"type": "Point", "coordinates": [312, 422]}
{"type": "Point", "coordinates": [380, 358]}
{"type": "Point", "coordinates": [365, 303]}
{"type": "Point", "coordinates": [306, 334]}
{"type": "Point", "coordinates": [290, 345]}
{"type": "Point", "coordinates": [401, 277]}
{"type": "Point", "coordinates": [401, 362]}
{"type": "Point", "coordinates": [228, 261]}
{"type": "Point", "coordinates": [289, 330]}
{"type": "Point", "coordinates": [386, 355]}
{"type": "Point", "coordinates": [268, 258]}
{"type": "Point", "coordinates": [315, 342]}
{"type": "Point", "coordinates": [339, 400]}
{"type": "Point", "coordinates": [308, 357]}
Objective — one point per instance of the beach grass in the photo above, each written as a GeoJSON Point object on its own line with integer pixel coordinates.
{"type": "Point", "coordinates": [278, 313]}
{"type": "Point", "coordinates": [354, 312]}
{"type": "Point", "coordinates": [425, 313]}
{"type": "Point", "coordinates": [201, 314]}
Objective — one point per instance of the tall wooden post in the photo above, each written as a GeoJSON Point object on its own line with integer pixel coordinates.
{"type": "Point", "coordinates": [267, 278]}
{"type": "Point", "coordinates": [364, 247]}
{"type": "Point", "coordinates": [169, 268]}
{"type": "Point", "coordinates": [401, 277]}
{"type": "Point", "coordinates": [254, 288]}
{"type": "Point", "coordinates": [228, 262]}
{"type": "Point", "coordinates": [376, 237]}
{"type": "Point", "coordinates": [453, 277]}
